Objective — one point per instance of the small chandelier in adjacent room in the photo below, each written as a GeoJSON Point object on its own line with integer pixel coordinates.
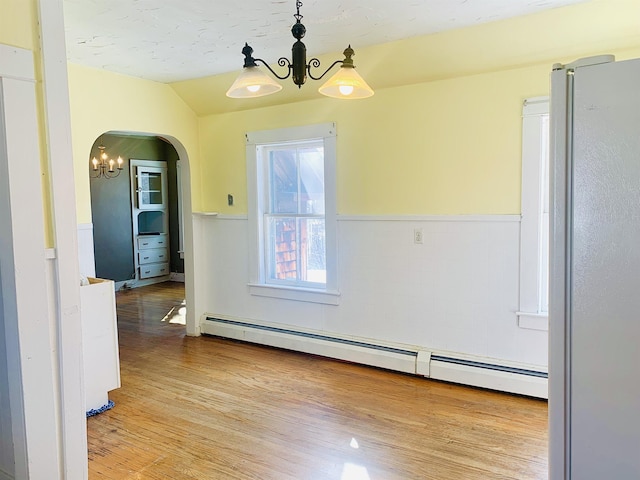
{"type": "Point", "coordinates": [346, 83]}
{"type": "Point", "coordinates": [103, 166]}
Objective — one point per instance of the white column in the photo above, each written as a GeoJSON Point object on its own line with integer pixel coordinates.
{"type": "Point", "coordinates": [63, 211]}
{"type": "Point", "coordinates": [30, 340]}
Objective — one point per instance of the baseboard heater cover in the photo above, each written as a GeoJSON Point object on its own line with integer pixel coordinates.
{"type": "Point", "coordinates": [315, 343]}
{"type": "Point", "coordinates": [411, 359]}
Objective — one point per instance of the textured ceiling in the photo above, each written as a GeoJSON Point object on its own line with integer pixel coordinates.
{"type": "Point", "coordinates": [172, 40]}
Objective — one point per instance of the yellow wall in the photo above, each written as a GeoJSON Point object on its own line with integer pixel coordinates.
{"type": "Point", "coordinates": [448, 143]}
{"type": "Point", "coordinates": [442, 135]}
{"type": "Point", "coordinates": [19, 28]}
{"type": "Point", "coordinates": [443, 147]}
{"type": "Point", "coordinates": [17, 23]}
{"type": "Point", "coordinates": [103, 101]}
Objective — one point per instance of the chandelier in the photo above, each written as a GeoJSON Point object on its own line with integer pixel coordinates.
{"type": "Point", "coordinates": [103, 166]}
{"type": "Point", "coordinates": [346, 83]}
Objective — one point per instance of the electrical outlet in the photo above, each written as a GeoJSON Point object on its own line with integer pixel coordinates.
{"type": "Point", "coordinates": [230, 200]}
{"type": "Point", "coordinates": [417, 236]}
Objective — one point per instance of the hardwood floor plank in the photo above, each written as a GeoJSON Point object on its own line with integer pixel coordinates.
{"type": "Point", "coordinates": [209, 408]}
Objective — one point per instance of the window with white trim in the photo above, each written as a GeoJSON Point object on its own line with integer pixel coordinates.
{"type": "Point", "coordinates": [292, 213]}
{"type": "Point", "coordinates": [534, 228]}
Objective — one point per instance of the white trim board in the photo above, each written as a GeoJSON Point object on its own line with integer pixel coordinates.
{"type": "Point", "coordinates": [72, 437]}
{"type": "Point", "coordinates": [387, 218]}
{"type": "Point", "coordinates": [222, 216]}
{"type": "Point", "coordinates": [32, 373]}
{"type": "Point", "coordinates": [429, 218]}
{"type": "Point", "coordinates": [448, 366]}
{"type": "Point", "coordinates": [16, 63]}
{"type": "Point", "coordinates": [533, 321]}
{"type": "Point", "coordinates": [86, 257]}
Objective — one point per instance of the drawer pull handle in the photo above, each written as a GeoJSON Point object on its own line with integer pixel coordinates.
{"type": "Point", "coordinates": [146, 258]}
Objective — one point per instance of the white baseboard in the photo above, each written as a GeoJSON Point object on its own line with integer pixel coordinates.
{"type": "Point", "coordinates": [457, 368]}
{"type": "Point", "coordinates": [177, 277]}
{"type": "Point", "coordinates": [133, 283]}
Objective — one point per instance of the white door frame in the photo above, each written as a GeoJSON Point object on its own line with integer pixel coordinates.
{"type": "Point", "coordinates": [32, 334]}
{"type": "Point", "coordinates": [73, 424]}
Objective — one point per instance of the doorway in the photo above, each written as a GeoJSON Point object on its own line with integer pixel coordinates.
{"type": "Point", "coordinates": [115, 208]}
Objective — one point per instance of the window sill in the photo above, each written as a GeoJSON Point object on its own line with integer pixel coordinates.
{"type": "Point", "coordinates": [533, 321]}
{"type": "Point", "coordinates": [297, 294]}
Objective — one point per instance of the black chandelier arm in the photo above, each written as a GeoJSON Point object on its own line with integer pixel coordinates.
{"type": "Point", "coordinates": [315, 63]}
{"type": "Point", "coordinates": [283, 62]}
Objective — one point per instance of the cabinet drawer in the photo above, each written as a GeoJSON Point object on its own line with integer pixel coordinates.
{"type": "Point", "coordinates": [152, 241]}
{"type": "Point", "coordinates": [152, 255]}
{"type": "Point", "coordinates": [154, 270]}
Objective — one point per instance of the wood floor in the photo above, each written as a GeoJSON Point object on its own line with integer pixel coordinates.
{"type": "Point", "coordinates": [208, 408]}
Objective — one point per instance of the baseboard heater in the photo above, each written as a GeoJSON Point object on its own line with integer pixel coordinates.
{"type": "Point", "coordinates": [462, 369]}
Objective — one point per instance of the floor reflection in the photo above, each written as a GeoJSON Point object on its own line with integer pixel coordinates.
{"type": "Point", "coordinates": [177, 314]}
{"type": "Point", "coordinates": [352, 471]}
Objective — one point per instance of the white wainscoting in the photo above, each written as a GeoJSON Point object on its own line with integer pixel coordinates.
{"type": "Point", "coordinates": [456, 292]}
{"type": "Point", "coordinates": [86, 256]}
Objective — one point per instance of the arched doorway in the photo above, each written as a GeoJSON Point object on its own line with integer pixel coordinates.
{"type": "Point", "coordinates": [111, 251]}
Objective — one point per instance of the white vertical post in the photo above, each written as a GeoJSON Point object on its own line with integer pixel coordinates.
{"type": "Point", "coordinates": [32, 371]}
{"type": "Point", "coordinates": [63, 210]}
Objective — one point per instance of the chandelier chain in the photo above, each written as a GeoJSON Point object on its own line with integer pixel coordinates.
{"type": "Point", "coordinates": [297, 16]}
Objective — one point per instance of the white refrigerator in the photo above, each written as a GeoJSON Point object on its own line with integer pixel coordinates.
{"type": "Point", "coordinates": [594, 321]}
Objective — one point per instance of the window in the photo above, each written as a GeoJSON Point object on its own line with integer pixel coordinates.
{"type": "Point", "coordinates": [292, 213]}
{"type": "Point", "coordinates": [534, 229]}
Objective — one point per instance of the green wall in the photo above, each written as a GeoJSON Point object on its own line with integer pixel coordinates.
{"type": "Point", "coordinates": [171, 156]}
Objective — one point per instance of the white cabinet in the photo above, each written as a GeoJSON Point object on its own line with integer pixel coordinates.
{"type": "Point", "coordinates": [101, 360]}
{"type": "Point", "coordinates": [154, 270]}
{"type": "Point", "coordinates": [152, 241]}
{"type": "Point", "coordinates": [153, 256]}
{"type": "Point", "coordinates": [150, 219]}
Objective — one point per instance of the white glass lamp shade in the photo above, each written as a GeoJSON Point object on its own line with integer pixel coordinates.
{"type": "Point", "coordinates": [347, 84]}
{"type": "Point", "coordinates": [253, 82]}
